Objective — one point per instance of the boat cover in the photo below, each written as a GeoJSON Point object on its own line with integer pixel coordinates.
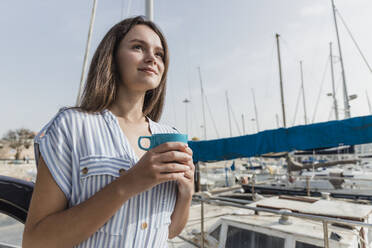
{"type": "Point", "coordinates": [15, 197]}
{"type": "Point", "coordinates": [350, 131]}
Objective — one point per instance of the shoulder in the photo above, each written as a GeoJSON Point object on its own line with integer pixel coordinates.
{"type": "Point", "coordinates": [73, 114]}
{"type": "Point", "coordinates": [66, 120]}
{"type": "Point", "coordinates": [163, 128]}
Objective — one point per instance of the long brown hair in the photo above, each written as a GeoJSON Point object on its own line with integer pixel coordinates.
{"type": "Point", "coordinates": [103, 79]}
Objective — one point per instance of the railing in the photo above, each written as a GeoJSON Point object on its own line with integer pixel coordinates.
{"type": "Point", "coordinates": [253, 182]}
{"type": "Point", "coordinates": [273, 177]}
{"type": "Point", "coordinates": [204, 197]}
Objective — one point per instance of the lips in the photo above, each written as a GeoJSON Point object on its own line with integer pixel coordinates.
{"type": "Point", "coordinates": [148, 69]}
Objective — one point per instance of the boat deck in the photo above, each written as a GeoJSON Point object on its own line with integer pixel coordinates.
{"type": "Point", "coordinates": [304, 230]}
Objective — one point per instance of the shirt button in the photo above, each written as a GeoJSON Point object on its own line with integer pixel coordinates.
{"type": "Point", "coordinates": [85, 170]}
{"type": "Point", "coordinates": [121, 171]}
{"type": "Point", "coordinates": [144, 225]}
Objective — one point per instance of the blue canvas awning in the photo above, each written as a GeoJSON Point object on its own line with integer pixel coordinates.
{"type": "Point", "coordinates": [351, 131]}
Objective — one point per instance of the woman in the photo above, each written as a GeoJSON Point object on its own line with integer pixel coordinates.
{"type": "Point", "coordinates": [95, 187]}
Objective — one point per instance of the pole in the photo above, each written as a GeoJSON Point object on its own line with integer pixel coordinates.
{"type": "Point", "coordinates": [202, 96]}
{"type": "Point", "coordinates": [150, 10]}
{"type": "Point", "coordinates": [333, 83]}
{"type": "Point", "coordinates": [255, 111]}
{"type": "Point", "coordinates": [303, 92]}
{"type": "Point", "coordinates": [346, 96]}
{"type": "Point", "coordinates": [228, 112]}
{"type": "Point", "coordinates": [325, 232]}
{"type": "Point", "coordinates": [369, 103]}
{"type": "Point", "coordinates": [308, 185]}
{"type": "Point", "coordinates": [243, 124]}
{"type": "Point", "coordinates": [277, 120]}
{"type": "Point", "coordinates": [186, 101]}
{"type": "Point", "coordinates": [202, 224]}
{"type": "Point", "coordinates": [87, 47]}
{"type": "Point", "coordinates": [281, 80]}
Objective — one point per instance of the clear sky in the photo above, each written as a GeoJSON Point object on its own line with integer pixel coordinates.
{"type": "Point", "coordinates": [42, 48]}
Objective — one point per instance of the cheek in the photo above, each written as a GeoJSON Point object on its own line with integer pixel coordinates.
{"type": "Point", "coordinates": [161, 69]}
{"type": "Point", "coordinates": [126, 60]}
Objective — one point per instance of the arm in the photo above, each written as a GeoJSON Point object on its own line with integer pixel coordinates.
{"type": "Point", "coordinates": [180, 213]}
{"type": "Point", "coordinates": [49, 221]}
{"type": "Point", "coordinates": [179, 216]}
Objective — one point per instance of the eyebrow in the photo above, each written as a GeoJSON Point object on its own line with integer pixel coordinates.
{"type": "Point", "coordinates": [144, 42]}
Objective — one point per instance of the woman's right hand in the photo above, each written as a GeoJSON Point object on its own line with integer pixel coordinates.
{"type": "Point", "coordinates": [166, 162]}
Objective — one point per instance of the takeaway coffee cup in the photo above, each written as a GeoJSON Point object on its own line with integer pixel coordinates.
{"type": "Point", "coordinates": [160, 138]}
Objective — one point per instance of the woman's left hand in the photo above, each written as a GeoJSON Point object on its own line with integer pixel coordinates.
{"type": "Point", "coordinates": [186, 183]}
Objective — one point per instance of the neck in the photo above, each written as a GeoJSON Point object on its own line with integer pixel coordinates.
{"type": "Point", "coordinates": [128, 106]}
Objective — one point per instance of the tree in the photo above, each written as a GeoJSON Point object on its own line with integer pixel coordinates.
{"type": "Point", "coordinates": [19, 139]}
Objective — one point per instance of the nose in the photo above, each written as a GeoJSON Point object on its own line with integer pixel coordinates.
{"type": "Point", "coordinates": [150, 58]}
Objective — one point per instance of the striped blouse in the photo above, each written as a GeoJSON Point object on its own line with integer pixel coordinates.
{"type": "Point", "coordinates": [85, 152]}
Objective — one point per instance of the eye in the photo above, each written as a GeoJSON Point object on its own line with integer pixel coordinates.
{"type": "Point", "coordinates": [160, 55]}
{"type": "Point", "coordinates": [137, 47]}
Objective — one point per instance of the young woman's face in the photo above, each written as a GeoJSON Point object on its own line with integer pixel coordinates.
{"type": "Point", "coordinates": [140, 59]}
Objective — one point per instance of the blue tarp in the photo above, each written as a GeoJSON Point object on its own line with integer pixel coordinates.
{"type": "Point", "coordinates": [351, 131]}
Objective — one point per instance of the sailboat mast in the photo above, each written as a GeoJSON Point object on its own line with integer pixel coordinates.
{"type": "Point", "coordinates": [369, 104]}
{"type": "Point", "coordinates": [243, 124]}
{"type": "Point", "coordinates": [202, 96]}
{"type": "Point", "coordinates": [255, 111]}
{"type": "Point", "coordinates": [228, 112]}
{"type": "Point", "coordinates": [303, 92]}
{"type": "Point", "coordinates": [333, 82]}
{"type": "Point", "coordinates": [150, 10]}
{"type": "Point", "coordinates": [277, 120]}
{"type": "Point", "coordinates": [346, 96]}
{"type": "Point", "coordinates": [186, 101]}
{"type": "Point", "coordinates": [281, 80]}
{"type": "Point", "coordinates": [87, 47]}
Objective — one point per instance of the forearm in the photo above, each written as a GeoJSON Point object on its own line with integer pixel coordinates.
{"type": "Point", "coordinates": [180, 215]}
{"type": "Point", "coordinates": [72, 226]}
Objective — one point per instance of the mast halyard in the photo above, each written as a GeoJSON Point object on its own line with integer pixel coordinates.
{"type": "Point", "coordinates": [346, 96]}
{"type": "Point", "coordinates": [202, 96]}
{"type": "Point", "coordinates": [303, 92]}
{"type": "Point", "coordinates": [281, 80]}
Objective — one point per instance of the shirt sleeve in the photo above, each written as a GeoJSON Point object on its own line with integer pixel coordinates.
{"type": "Point", "coordinates": [53, 143]}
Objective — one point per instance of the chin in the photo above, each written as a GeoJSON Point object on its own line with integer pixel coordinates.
{"type": "Point", "coordinates": [149, 84]}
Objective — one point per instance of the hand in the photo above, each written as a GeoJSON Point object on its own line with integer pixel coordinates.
{"type": "Point", "coordinates": [166, 162]}
{"type": "Point", "coordinates": [186, 183]}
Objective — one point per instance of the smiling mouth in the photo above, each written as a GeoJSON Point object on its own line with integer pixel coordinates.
{"type": "Point", "coordinates": [148, 71]}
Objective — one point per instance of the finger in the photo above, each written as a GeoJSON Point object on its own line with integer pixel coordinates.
{"type": "Point", "coordinates": [171, 176]}
{"type": "Point", "coordinates": [189, 151]}
{"type": "Point", "coordinates": [191, 165]}
{"type": "Point", "coordinates": [172, 156]}
{"type": "Point", "coordinates": [170, 146]}
{"type": "Point", "coordinates": [189, 175]}
{"type": "Point", "coordinates": [172, 168]}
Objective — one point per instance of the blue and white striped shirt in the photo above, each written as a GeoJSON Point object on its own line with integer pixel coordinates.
{"type": "Point", "coordinates": [84, 152]}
